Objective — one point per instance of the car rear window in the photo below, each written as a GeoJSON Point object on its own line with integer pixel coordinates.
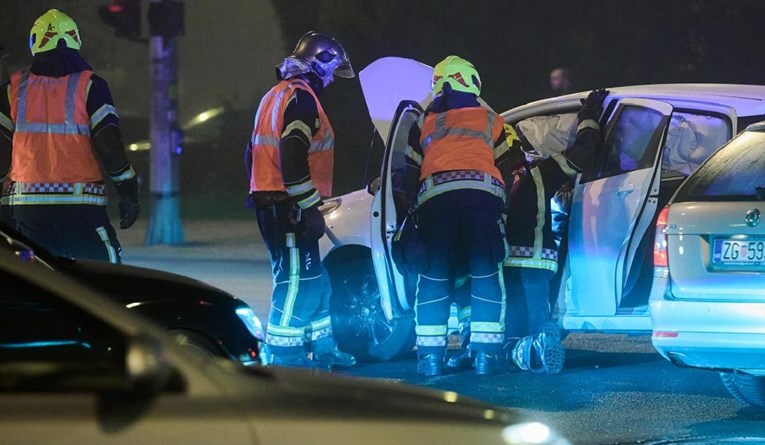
{"type": "Point", "coordinates": [734, 173]}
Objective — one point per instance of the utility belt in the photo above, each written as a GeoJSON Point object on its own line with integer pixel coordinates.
{"type": "Point", "coordinates": [267, 199]}
{"type": "Point", "coordinates": [54, 193]}
{"type": "Point", "coordinates": [442, 182]}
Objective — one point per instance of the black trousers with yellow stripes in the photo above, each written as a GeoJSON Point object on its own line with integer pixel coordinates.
{"type": "Point", "coordinates": [470, 221]}
{"type": "Point", "coordinates": [300, 299]}
{"type": "Point", "coordinates": [74, 230]}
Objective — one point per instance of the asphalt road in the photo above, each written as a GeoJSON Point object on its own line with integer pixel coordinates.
{"type": "Point", "coordinates": [613, 389]}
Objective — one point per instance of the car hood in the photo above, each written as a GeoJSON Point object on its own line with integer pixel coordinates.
{"type": "Point", "coordinates": [387, 81]}
{"type": "Point", "coordinates": [128, 284]}
{"type": "Point", "coordinates": [322, 394]}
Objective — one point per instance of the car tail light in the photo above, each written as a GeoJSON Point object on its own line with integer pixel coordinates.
{"type": "Point", "coordinates": [660, 242]}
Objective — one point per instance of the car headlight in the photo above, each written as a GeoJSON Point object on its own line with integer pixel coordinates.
{"type": "Point", "coordinates": [330, 206]}
{"type": "Point", "coordinates": [248, 317]}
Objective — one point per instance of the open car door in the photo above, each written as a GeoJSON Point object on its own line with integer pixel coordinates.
{"type": "Point", "coordinates": [391, 212]}
{"type": "Point", "coordinates": [613, 207]}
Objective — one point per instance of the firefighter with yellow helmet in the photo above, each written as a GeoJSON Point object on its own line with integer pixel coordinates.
{"type": "Point", "coordinates": [455, 156]}
{"type": "Point", "coordinates": [58, 128]}
{"type": "Point", "coordinates": [289, 160]}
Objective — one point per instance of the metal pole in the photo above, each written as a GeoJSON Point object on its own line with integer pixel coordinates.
{"type": "Point", "coordinates": [165, 225]}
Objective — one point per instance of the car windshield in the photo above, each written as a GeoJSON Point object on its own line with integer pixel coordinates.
{"type": "Point", "coordinates": [734, 173]}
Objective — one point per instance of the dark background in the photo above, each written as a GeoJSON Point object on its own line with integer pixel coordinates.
{"type": "Point", "coordinates": [231, 46]}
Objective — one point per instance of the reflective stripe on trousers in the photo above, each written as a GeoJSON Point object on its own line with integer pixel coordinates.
{"type": "Point", "coordinates": [300, 298]}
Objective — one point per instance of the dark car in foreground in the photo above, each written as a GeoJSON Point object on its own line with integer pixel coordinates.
{"type": "Point", "coordinates": [204, 319]}
{"type": "Point", "coordinates": [110, 376]}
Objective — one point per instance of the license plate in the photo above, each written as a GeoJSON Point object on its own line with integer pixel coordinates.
{"type": "Point", "coordinates": [738, 251]}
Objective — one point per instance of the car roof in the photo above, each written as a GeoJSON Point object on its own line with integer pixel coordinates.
{"type": "Point", "coordinates": [747, 100]}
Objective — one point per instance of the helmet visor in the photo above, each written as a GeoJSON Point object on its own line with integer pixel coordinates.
{"type": "Point", "coordinates": [345, 70]}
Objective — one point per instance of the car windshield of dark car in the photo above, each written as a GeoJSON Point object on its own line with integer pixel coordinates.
{"type": "Point", "coordinates": [732, 174]}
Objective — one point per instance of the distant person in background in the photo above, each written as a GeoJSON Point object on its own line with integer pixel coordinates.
{"type": "Point", "coordinates": [59, 131]}
{"type": "Point", "coordinates": [561, 82]}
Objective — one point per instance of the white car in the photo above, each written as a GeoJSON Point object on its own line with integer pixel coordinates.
{"type": "Point", "coordinates": [708, 295]}
{"type": "Point", "coordinates": [109, 377]}
{"type": "Point", "coordinates": [655, 136]}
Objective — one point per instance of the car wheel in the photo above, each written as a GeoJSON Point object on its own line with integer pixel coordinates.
{"type": "Point", "coordinates": [745, 388]}
{"type": "Point", "coordinates": [197, 344]}
{"type": "Point", "coordinates": [358, 320]}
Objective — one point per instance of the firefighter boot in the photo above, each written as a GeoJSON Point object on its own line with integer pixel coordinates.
{"type": "Point", "coordinates": [298, 360]}
{"type": "Point", "coordinates": [326, 353]}
{"type": "Point", "coordinates": [430, 365]}
{"type": "Point", "coordinates": [542, 353]}
{"type": "Point", "coordinates": [548, 352]}
{"type": "Point", "coordinates": [487, 364]}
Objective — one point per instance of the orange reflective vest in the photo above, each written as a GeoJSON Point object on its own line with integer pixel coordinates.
{"type": "Point", "coordinates": [267, 132]}
{"type": "Point", "coordinates": [460, 139]}
{"type": "Point", "coordinates": [51, 139]}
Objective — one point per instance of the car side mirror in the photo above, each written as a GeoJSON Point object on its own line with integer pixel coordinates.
{"type": "Point", "coordinates": [373, 186]}
{"type": "Point", "coordinates": [147, 366]}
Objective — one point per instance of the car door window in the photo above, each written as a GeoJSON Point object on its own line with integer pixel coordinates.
{"type": "Point", "coordinates": [691, 139]}
{"type": "Point", "coordinates": [631, 143]}
{"type": "Point", "coordinates": [49, 344]}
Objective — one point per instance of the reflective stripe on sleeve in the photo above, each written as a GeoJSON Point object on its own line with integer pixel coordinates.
{"type": "Point", "coordinates": [129, 174]}
{"type": "Point", "coordinates": [588, 123]}
{"type": "Point", "coordinates": [413, 155]}
{"type": "Point", "coordinates": [562, 162]}
{"type": "Point", "coordinates": [299, 189]}
{"type": "Point", "coordinates": [310, 201]}
{"type": "Point", "coordinates": [6, 122]}
{"type": "Point", "coordinates": [102, 112]}
{"type": "Point", "coordinates": [299, 126]}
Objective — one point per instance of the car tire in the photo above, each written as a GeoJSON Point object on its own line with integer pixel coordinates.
{"type": "Point", "coordinates": [745, 388]}
{"type": "Point", "coordinates": [197, 344]}
{"type": "Point", "coordinates": [358, 321]}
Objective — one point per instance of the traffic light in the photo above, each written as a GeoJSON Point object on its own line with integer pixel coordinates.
{"type": "Point", "coordinates": [124, 16]}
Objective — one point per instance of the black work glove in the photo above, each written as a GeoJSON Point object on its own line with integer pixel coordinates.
{"type": "Point", "coordinates": [592, 107]}
{"type": "Point", "coordinates": [129, 207]}
{"type": "Point", "coordinates": [311, 225]}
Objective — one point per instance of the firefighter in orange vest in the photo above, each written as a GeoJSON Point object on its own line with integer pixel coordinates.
{"type": "Point", "coordinates": [454, 161]}
{"type": "Point", "coordinates": [57, 119]}
{"type": "Point", "coordinates": [290, 161]}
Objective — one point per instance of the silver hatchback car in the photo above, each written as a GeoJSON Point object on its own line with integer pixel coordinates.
{"type": "Point", "coordinates": [708, 295]}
